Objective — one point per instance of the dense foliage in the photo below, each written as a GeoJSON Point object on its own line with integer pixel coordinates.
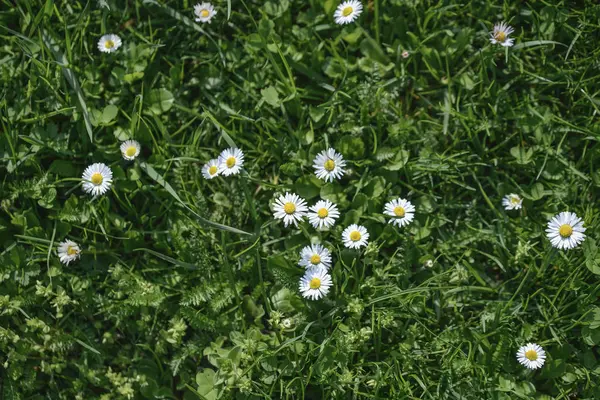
{"type": "Point", "coordinates": [164, 304]}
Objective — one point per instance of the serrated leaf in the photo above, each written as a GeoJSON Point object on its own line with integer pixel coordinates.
{"type": "Point", "coordinates": [206, 384]}
{"type": "Point", "coordinates": [384, 153]}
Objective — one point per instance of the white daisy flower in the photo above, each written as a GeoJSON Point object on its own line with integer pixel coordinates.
{"type": "Point", "coordinates": [329, 165]}
{"type": "Point", "coordinates": [211, 169]}
{"type": "Point", "coordinates": [315, 283]}
{"type": "Point", "coordinates": [500, 34]}
{"type": "Point", "coordinates": [565, 231]}
{"type": "Point", "coordinates": [512, 202]}
{"type": "Point", "coordinates": [291, 208]}
{"type": "Point", "coordinates": [355, 236]}
{"type": "Point", "coordinates": [347, 12]}
{"type": "Point", "coordinates": [402, 211]}
{"type": "Point", "coordinates": [204, 12]}
{"type": "Point", "coordinates": [231, 161]}
{"type": "Point", "coordinates": [109, 43]}
{"type": "Point", "coordinates": [130, 149]}
{"type": "Point", "coordinates": [532, 356]}
{"type": "Point", "coordinates": [68, 251]}
{"type": "Point", "coordinates": [323, 214]}
{"type": "Point", "coordinates": [97, 179]}
{"type": "Point", "coordinates": [315, 256]}
{"type": "Point", "coordinates": [405, 54]}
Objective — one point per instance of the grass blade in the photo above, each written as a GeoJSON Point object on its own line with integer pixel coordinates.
{"type": "Point", "coordinates": [532, 43]}
{"type": "Point", "coordinates": [167, 258]}
{"type": "Point", "coordinates": [87, 346]}
{"type": "Point", "coordinates": [159, 179]}
{"type": "Point", "coordinates": [71, 79]}
{"type": "Point", "coordinates": [217, 124]}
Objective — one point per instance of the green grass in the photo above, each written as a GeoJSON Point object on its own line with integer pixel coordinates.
{"type": "Point", "coordinates": [184, 284]}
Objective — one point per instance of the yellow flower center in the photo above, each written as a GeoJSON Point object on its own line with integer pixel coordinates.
{"type": "Point", "coordinates": [329, 165]}
{"type": "Point", "coordinates": [323, 213]}
{"type": "Point", "coordinates": [204, 13]}
{"type": "Point", "coordinates": [109, 44]}
{"type": "Point", "coordinates": [565, 230]}
{"type": "Point", "coordinates": [71, 251]}
{"type": "Point", "coordinates": [289, 208]}
{"type": "Point", "coordinates": [131, 150]}
{"type": "Point", "coordinates": [97, 178]}
{"type": "Point", "coordinates": [355, 236]}
{"type": "Point", "coordinates": [515, 200]}
{"type": "Point", "coordinates": [316, 259]}
{"type": "Point", "coordinates": [531, 355]}
{"type": "Point", "coordinates": [212, 170]}
{"type": "Point", "coordinates": [315, 283]}
{"type": "Point", "coordinates": [230, 162]}
{"type": "Point", "coordinates": [500, 36]}
{"type": "Point", "coordinates": [399, 211]}
{"type": "Point", "coordinates": [347, 11]}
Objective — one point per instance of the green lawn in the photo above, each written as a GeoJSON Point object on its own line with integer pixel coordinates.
{"type": "Point", "coordinates": [142, 279]}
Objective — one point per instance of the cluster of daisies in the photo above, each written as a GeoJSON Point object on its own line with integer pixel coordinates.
{"type": "Point", "coordinates": [565, 231]}
{"type": "Point", "coordinates": [292, 209]}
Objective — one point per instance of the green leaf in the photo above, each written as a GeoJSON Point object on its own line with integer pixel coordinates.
{"type": "Point", "coordinates": [270, 96]}
{"type": "Point", "coordinates": [159, 101]}
{"type": "Point", "coordinates": [353, 37]}
{"type": "Point", "coordinates": [206, 384]}
{"type": "Point", "coordinates": [371, 49]}
{"type": "Point", "coordinates": [308, 187]}
{"type": "Point", "coordinates": [375, 188]}
{"type": "Point", "coordinates": [282, 301]}
{"type": "Point", "coordinates": [252, 309]}
{"type": "Point", "coordinates": [134, 76]}
{"type": "Point", "coordinates": [352, 147]}
{"type": "Point", "coordinates": [329, 6]}
{"type": "Point", "coordinates": [221, 199]}
{"type": "Point", "coordinates": [64, 168]}
{"type": "Point", "coordinates": [594, 318]}
{"type": "Point", "coordinates": [537, 191]}
{"type": "Point", "coordinates": [592, 257]}
{"type": "Point", "coordinates": [522, 155]}
{"type": "Point", "coordinates": [399, 161]}
{"type": "Point", "coordinates": [422, 233]}
{"type": "Point", "coordinates": [334, 193]}
{"type": "Point", "coordinates": [109, 113]}
{"type": "Point", "coordinates": [555, 368]}
{"type": "Point", "coordinates": [591, 337]}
